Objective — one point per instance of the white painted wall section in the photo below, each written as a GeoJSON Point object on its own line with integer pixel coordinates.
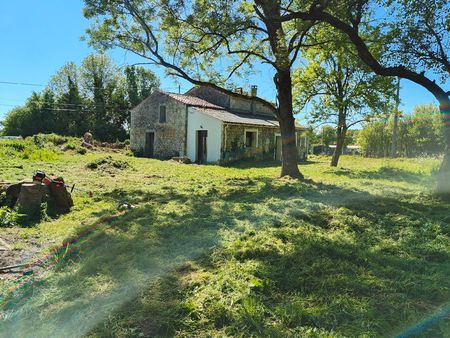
{"type": "Point", "coordinates": [199, 121]}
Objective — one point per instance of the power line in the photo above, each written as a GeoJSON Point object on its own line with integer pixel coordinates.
{"type": "Point", "coordinates": [21, 84]}
{"type": "Point", "coordinates": [86, 87]}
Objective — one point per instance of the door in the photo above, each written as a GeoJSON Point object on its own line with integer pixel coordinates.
{"type": "Point", "coordinates": [202, 136]}
{"type": "Point", "coordinates": [149, 144]}
{"type": "Point", "coordinates": [278, 148]}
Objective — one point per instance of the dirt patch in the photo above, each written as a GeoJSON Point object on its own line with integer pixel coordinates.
{"type": "Point", "coordinates": [16, 250]}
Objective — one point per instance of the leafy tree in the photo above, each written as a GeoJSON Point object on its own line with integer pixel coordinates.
{"type": "Point", "coordinates": [375, 139]}
{"type": "Point", "coordinates": [18, 122]}
{"type": "Point", "coordinates": [343, 90]}
{"type": "Point", "coordinates": [327, 135]}
{"type": "Point", "coordinates": [93, 96]}
{"type": "Point", "coordinates": [70, 116]}
{"type": "Point", "coordinates": [351, 137]}
{"type": "Point", "coordinates": [419, 134]}
{"type": "Point", "coordinates": [209, 43]}
{"type": "Point", "coordinates": [416, 35]}
{"type": "Point", "coordinates": [140, 84]}
{"type": "Point", "coordinates": [50, 114]}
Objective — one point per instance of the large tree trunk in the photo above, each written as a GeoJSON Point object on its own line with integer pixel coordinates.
{"type": "Point", "coordinates": [339, 146]}
{"type": "Point", "coordinates": [443, 179]}
{"type": "Point", "coordinates": [286, 119]}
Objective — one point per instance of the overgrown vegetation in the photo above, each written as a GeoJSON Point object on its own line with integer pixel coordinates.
{"type": "Point", "coordinates": [419, 134]}
{"type": "Point", "coordinates": [96, 96]}
{"type": "Point", "coordinates": [359, 250]}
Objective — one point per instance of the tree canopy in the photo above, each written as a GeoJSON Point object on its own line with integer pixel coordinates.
{"type": "Point", "coordinates": [95, 96]}
{"type": "Point", "coordinates": [416, 36]}
{"type": "Point", "coordinates": [210, 43]}
{"type": "Point", "coordinates": [340, 89]}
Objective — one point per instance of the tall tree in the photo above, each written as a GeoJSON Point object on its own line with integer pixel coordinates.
{"type": "Point", "coordinates": [417, 35]}
{"type": "Point", "coordinates": [343, 90]}
{"type": "Point", "coordinates": [71, 107]}
{"type": "Point", "coordinates": [70, 116]}
{"type": "Point", "coordinates": [208, 43]}
{"type": "Point", "coordinates": [141, 83]}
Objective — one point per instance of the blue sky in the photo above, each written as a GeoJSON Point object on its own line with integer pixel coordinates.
{"type": "Point", "coordinates": [39, 37]}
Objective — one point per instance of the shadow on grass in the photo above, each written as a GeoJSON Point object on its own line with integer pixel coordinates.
{"type": "Point", "coordinates": [249, 164]}
{"type": "Point", "coordinates": [382, 269]}
{"type": "Point", "coordinates": [389, 173]}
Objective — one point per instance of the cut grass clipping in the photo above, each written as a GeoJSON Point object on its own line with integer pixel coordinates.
{"type": "Point", "coordinates": [361, 250]}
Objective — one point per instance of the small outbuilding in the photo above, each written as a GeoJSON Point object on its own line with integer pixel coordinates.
{"type": "Point", "coordinates": [207, 126]}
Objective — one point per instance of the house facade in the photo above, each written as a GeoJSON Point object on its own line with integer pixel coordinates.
{"type": "Point", "coordinates": [208, 126]}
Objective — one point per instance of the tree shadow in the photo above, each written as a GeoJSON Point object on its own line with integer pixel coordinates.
{"type": "Point", "coordinates": [249, 164]}
{"type": "Point", "coordinates": [350, 282]}
{"type": "Point", "coordinates": [385, 172]}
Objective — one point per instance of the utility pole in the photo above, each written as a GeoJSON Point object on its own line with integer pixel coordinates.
{"type": "Point", "coordinates": [395, 128]}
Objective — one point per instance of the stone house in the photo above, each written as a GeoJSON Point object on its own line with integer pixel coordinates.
{"type": "Point", "coordinates": [207, 125]}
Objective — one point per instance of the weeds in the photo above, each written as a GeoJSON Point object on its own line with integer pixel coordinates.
{"type": "Point", "coordinates": [8, 218]}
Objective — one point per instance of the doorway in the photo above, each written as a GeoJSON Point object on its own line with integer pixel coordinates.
{"type": "Point", "coordinates": [149, 148]}
{"type": "Point", "coordinates": [278, 148]}
{"type": "Point", "coordinates": [202, 136]}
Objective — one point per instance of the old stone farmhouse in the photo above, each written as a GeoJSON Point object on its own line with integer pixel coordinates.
{"type": "Point", "coordinates": [207, 125]}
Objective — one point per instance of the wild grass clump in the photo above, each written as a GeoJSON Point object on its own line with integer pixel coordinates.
{"type": "Point", "coordinates": [106, 163]}
{"type": "Point", "coordinates": [31, 148]}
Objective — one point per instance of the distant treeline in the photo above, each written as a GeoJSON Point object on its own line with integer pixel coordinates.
{"type": "Point", "coordinates": [96, 96]}
{"type": "Point", "coordinates": [419, 134]}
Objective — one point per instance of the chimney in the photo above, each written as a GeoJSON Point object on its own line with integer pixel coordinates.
{"type": "Point", "coordinates": [254, 91]}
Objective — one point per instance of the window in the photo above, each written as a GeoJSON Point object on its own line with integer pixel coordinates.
{"type": "Point", "coordinates": [250, 139]}
{"type": "Point", "coordinates": [162, 114]}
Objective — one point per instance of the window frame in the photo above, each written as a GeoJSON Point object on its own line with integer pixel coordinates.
{"type": "Point", "coordinates": [255, 140]}
{"type": "Point", "coordinates": [165, 113]}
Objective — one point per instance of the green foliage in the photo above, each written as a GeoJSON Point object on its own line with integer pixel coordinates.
{"type": "Point", "coordinates": [327, 135]}
{"type": "Point", "coordinates": [208, 251]}
{"type": "Point", "coordinates": [419, 134]}
{"type": "Point", "coordinates": [339, 88]}
{"type": "Point", "coordinates": [31, 148]}
{"type": "Point", "coordinates": [96, 96]}
{"type": "Point", "coordinates": [8, 217]}
{"type": "Point", "coordinates": [140, 84]}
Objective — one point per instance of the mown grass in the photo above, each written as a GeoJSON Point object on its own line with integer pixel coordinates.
{"type": "Point", "coordinates": [361, 250]}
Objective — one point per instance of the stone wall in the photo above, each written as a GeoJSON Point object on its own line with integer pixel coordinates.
{"type": "Point", "coordinates": [170, 136]}
{"type": "Point", "coordinates": [234, 143]}
{"type": "Point", "coordinates": [241, 104]}
{"type": "Point", "coordinates": [250, 106]}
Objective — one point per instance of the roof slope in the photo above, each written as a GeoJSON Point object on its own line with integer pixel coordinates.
{"type": "Point", "coordinates": [192, 100]}
{"type": "Point", "coordinates": [248, 119]}
{"type": "Point", "coordinates": [221, 113]}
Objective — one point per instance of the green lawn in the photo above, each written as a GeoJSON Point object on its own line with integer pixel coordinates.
{"type": "Point", "coordinates": [361, 250]}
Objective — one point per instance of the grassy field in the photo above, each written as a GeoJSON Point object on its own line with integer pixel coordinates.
{"type": "Point", "coordinates": [361, 250]}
